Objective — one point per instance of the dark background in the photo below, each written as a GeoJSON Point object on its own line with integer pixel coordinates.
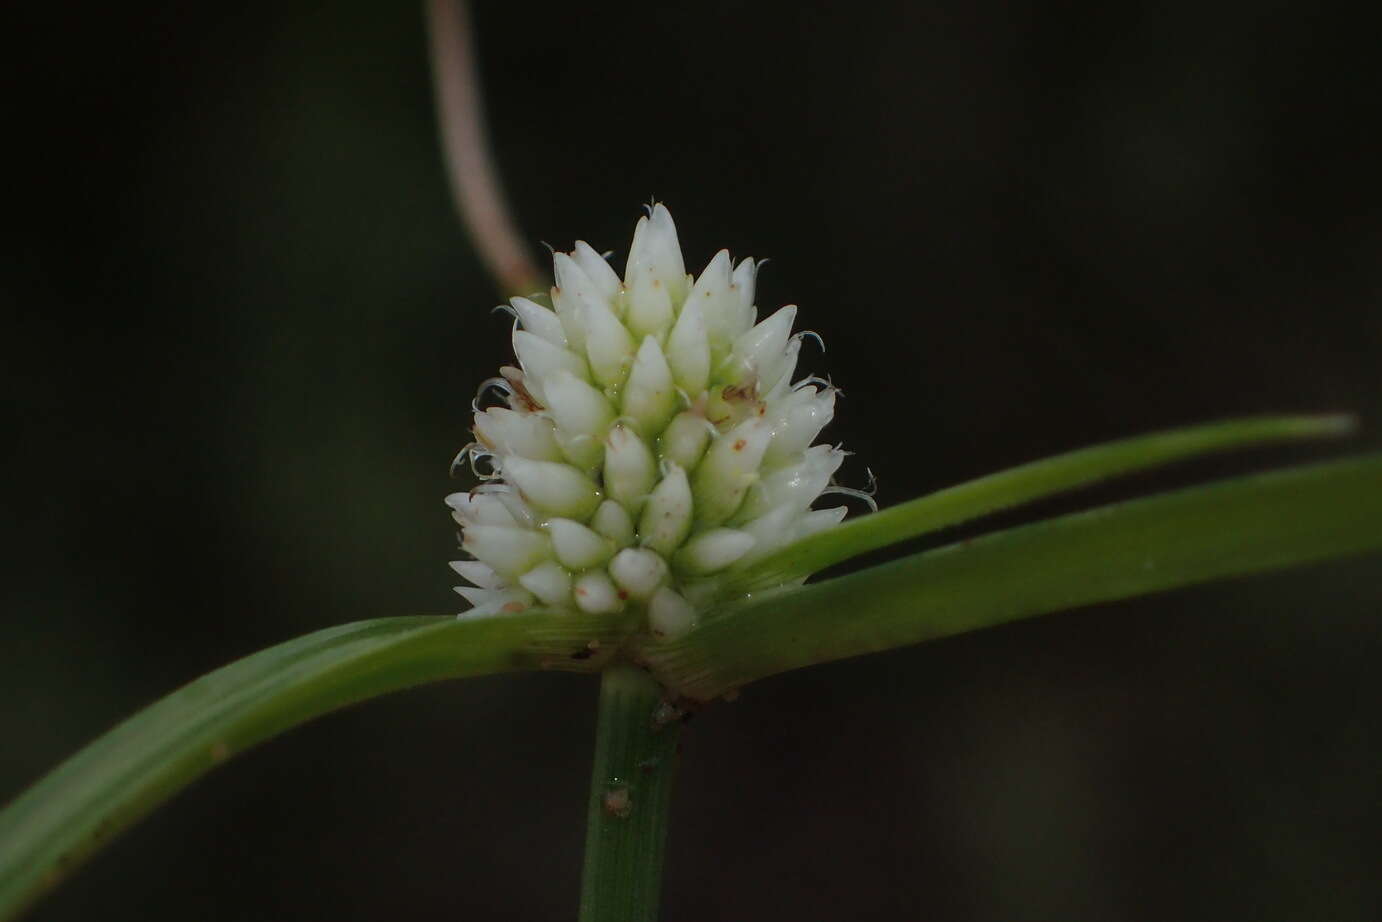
{"type": "Point", "coordinates": [244, 329]}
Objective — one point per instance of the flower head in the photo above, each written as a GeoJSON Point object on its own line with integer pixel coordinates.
{"type": "Point", "coordinates": [651, 440]}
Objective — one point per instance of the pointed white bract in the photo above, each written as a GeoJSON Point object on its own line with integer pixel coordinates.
{"type": "Point", "coordinates": [652, 441]}
{"type": "Point", "coordinates": [685, 439]}
{"type": "Point", "coordinates": [612, 521]}
{"type": "Point", "coordinates": [539, 321]}
{"type": "Point", "coordinates": [540, 359]}
{"type": "Point", "coordinates": [666, 517]}
{"type": "Point", "coordinates": [578, 547]}
{"type": "Point", "coordinates": [630, 468]}
{"type": "Point", "coordinates": [669, 614]}
{"type": "Point", "coordinates": [651, 397]}
{"type": "Point", "coordinates": [638, 572]}
{"type": "Point", "coordinates": [550, 582]}
{"type": "Point", "coordinates": [575, 406]}
{"type": "Point", "coordinates": [524, 434]}
{"type": "Point", "coordinates": [597, 269]}
{"type": "Point", "coordinates": [712, 551]}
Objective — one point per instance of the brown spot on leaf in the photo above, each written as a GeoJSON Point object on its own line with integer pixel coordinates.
{"type": "Point", "coordinates": [617, 803]}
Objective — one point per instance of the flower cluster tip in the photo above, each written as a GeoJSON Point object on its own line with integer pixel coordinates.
{"type": "Point", "coordinates": [649, 442]}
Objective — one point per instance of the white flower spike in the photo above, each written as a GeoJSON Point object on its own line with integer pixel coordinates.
{"type": "Point", "coordinates": [652, 441]}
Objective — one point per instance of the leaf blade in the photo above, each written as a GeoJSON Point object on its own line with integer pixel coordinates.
{"type": "Point", "coordinates": [1024, 484]}
{"type": "Point", "coordinates": [65, 817]}
{"type": "Point", "coordinates": [1229, 528]}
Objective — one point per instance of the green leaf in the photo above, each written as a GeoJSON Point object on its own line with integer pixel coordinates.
{"type": "Point", "coordinates": [123, 775]}
{"type": "Point", "coordinates": [1024, 484]}
{"type": "Point", "coordinates": [1230, 528]}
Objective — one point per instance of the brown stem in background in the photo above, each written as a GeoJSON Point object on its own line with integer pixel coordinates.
{"type": "Point", "coordinates": [474, 180]}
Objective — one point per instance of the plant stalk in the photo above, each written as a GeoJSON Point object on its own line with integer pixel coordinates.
{"type": "Point", "coordinates": [475, 185]}
{"type": "Point", "coordinates": [630, 794]}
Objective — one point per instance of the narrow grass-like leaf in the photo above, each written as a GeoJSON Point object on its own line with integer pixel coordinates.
{"type": "Point", "coordinates": [1229, 528]}
{"type": "Point", "coordinates": [1025, 484]}
{"type": "Point", "coordinates": [120, 777]}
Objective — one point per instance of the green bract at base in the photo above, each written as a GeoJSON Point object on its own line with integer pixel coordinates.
{"type": "Point", "coordinates": [1231, 528]}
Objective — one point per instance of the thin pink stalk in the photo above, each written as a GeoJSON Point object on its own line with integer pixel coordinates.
{"type": "Point", "coordinates": [470, 166]}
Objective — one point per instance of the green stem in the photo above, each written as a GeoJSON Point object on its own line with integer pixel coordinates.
{"type": "Point", "coordinates": [630, 792]}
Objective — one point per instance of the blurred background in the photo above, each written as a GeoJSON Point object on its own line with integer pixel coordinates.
{"type": "Point", "coordinates": [244, 328]}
